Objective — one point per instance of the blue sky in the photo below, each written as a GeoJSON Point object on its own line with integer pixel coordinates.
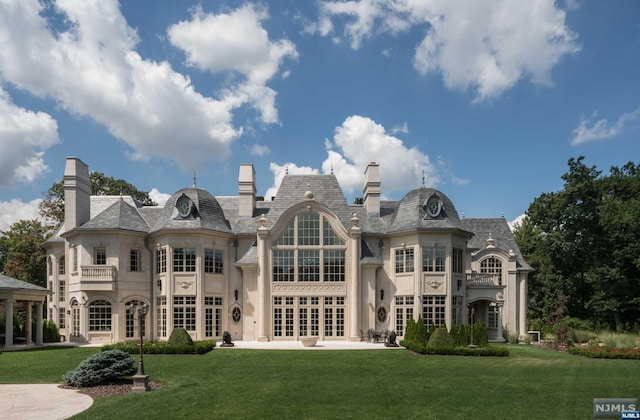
{"type": "Point", "coordinates": [487, 99]}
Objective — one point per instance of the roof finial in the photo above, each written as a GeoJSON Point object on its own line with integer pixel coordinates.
{"type": "Point", "coordinates": [331, 168]}
{"type": "Point", "coordinates": [286, 170]}
{"type": "Point", "coordinates": [194, 179]}
{"type": "Point", "coordinates": [423, 178]}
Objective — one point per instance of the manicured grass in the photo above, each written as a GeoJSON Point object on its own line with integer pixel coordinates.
{"type": "Point", "coordinates": [234, 383]}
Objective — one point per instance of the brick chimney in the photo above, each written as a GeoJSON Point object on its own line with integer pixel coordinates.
{"type": "Point", "coordinates": [371, 190]}
{"type": "Point", "coordinates": [77, 193]}
{"type": "Point", "coordinates": [246, 190]}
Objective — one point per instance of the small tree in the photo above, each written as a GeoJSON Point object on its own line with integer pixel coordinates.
{"type": "Point", "coordinates": [180, 337]}
{"type": "Point", "coordinates": [101, 368]}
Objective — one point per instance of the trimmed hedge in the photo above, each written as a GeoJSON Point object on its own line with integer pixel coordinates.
{"type": "Point", "coordinates": [101, 368]}
{"type": "Point", "coordinates": [605, 352]}
{"type": "Point", "coordinates": [180, 337]}
{"type": "Point", "coordinates": [440, 340]}
{"type": "Point", "coordinates": [163, 347]}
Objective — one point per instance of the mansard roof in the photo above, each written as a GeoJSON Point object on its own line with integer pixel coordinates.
{"type": "Point", "coordinates": [411, 213]}
{"type": "Point", "coordinates": [119, 216]}
{"type": "Point", "coordinates": [208, 214]}
{"type": "Point", "coordinates": [498, 229]}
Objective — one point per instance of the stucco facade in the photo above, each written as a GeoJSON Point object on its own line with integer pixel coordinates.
{"type": "Point", "coordinates": [305, 264]}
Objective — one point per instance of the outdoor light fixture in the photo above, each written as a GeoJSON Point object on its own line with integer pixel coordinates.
{"type": "Point", "coordinates": [140, 379]}
{"type": "Point", "coordinates": [235, 292]}
{"type": "Point", "coordinates": [159, 284]}
{"type": "Point", "coordinates": [381, 294]}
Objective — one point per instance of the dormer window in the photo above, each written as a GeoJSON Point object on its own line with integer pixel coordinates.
{"type": "Point", "coordinates": [432, 207]}
{"type": "Point", "coordinates": [185, 206]}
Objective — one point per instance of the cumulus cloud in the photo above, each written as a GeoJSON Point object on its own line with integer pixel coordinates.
{"type": "Point", "coordinates": [357, 142]}
{"type": "Point", "coordinates": [159, 197]}
{"type": "Point", "coordinates": [601, 129]}
{"type": "Point", "coordinates": [259, 150]}
{"type": "Point", "coordinates": [236, 41]}
{"type": "Point", "coordinates": [15, 210]}
{"type": "Point", "coordinates": [85, 59]}
{"type": "Point", "coordinates": [24, 136]}
{"type": "Point", "coordinates": [487, 46]}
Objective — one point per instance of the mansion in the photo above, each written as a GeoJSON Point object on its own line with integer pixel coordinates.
{"type": "Point", "coordinates": [305, 264]}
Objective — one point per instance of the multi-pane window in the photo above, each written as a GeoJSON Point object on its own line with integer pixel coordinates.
{"type": "Point", "coordinates": [75, 259]}
{"type": "Point", "coordinates": [61, 290]}
{"type": "Point", "coordinates": [49, 265]}
{"type": "Point", "coordinates": [135, 260]}
{"type": "Point", "coordinates": [161, 260]}
{"type": "Point", "coordinates": [161, 316]}
{"type": "Point", "coordinates": [184, 312]}
{"type": "Point", "coordinates": [456, 310]}
{"type": "Point", "coordinates": [100, 256]}
{"type": "Point", "coordinates": [334, 316]}
{"type": "Point", "coordinates": [309, 250]}
{"type": "Point", "coordinates": [433, 310]}
{"type": "Point", "coordinates": [213, 261]}
{"type": "Point", "coordinates": [283, 316]}
{"type": "Point", "coordinates": [404, 312]}
{"type": "Point", "coordinates": [492, 265]}
{"type": "Point", "coordinates": [493, 316]}
{"type": "Point", "coordinates": [99, 316]}
{"type": "Point", "coordinates": [75, 318]}
{"type": "Point", "coordinates": [457, 261]}
{"type": "Point", "coordinates": [309, 312]}
{"type": "Point", "coordinates": [184, 259]}
{"type": "Point", "coordinates": [62, 320]}
{"type": "Point", "coordinates": [404, 260]}
{"type": "Point", "coordinates": [212, 316]}
{"type": "Point", "coordinates": [433, 259]}
{"type": "Point", "coordinates": [61, 266]}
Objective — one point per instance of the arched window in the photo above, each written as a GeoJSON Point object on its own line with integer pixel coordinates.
{"type": "Point", "coordinates": [492, 265]}
{"type": "Point", "coordinates": [309, 250]}
{"type": "Point", "coordinates": [75, 318]}
{"type": "Point", "coordinates": [99, 316]}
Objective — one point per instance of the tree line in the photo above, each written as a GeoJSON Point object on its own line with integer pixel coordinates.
{"type": "Point", "coordinates": [584, 243]}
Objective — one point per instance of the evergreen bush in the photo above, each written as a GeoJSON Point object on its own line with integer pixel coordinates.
{"type": "Point", "coordinates": [100, 368]}
{"type": "Point", "coordinates": [440, 339]}
{"type": "Point", "coordinates": [180, 337]}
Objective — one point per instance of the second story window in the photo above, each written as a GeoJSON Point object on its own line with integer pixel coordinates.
{"type": "Point", "coordinates": [161, 260]}
{"type": "Point", "coordinates": [213, 261]}
{"type": "Point", "coordinates": [135, 260]}
{"type": "Point", "coordinates": [184, 259]}
{"type": "Point", "coordinates": [493, 266]}
{"type": "Point", "coordinates": [458, 261]}
{"type": "Point", "coordinates": [404, 260]}
{"type": "Point", "coordinates": [100, 256]}
{"type": "Point", "coordinates": [61, 266]}
{"type": "Point", "coordinates": [433, 259]}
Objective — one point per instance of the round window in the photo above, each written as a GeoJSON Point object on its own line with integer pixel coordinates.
{"type": "Point", "coordinates": [236, 314]}
{"type": "Point", "coordinates": [382, 314]}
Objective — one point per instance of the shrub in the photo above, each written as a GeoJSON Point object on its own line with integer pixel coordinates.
{"type": "Point", "coordinates": [415, 335]}
{"type": "Point", "coordinates": [180, 336]}
{"type": "Point", "coordinates": [163, 347]}
{"type": "Point", "coordinates": [440, 339]}
{"type": "Point", "coordinates": [50, 333]}
{"type": "Point", "coordinates": [101, 368]}
{"type": "Point", "coordinates": [513, 338]}
{"type": "Point", "coordinates": [605, 352]}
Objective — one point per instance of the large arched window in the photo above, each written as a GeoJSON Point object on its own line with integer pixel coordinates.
{"type": "Point", "coordinates": [492, 265]}
{"type": "Point", "coordinates": [309, 250]}
{"type": "Point", "coordinates": [99, 316]}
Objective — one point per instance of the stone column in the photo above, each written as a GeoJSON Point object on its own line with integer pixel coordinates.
{"type": "Point", "coordinates": [263, 281]}
{"type": "Point", "coordinates": [500, 327]}
{"type": "Point", "coordinates": [522, 306]}
{"type": "Point", "coordinates": [29, 322]}
{"type": "Point", "coordinates": [354, 281]}
{"type": "Point", "coordinates": [8, 329]}
{"type": "Point", "coordinates": [38, 323]}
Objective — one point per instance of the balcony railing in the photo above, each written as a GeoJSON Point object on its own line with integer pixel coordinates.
{"type": "Point", "coordinates": [98, 273]}
{"type": "Point", "coordinates": [484, 279]}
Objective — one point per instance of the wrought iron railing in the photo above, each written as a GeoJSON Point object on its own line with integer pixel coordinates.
{"type": "Point", "coordinates": [484, 279]}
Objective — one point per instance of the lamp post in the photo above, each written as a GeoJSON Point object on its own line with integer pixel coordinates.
{"type": "Point", "coordinates": [473, 311]}
{"type": "Point", "coordinates": [140, 379]}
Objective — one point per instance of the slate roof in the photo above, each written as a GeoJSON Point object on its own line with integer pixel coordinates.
{"type": "Point", "coordinates": [15, 285]}
{"type": "Point", "coordinates": [121, 216]}
{"type": "Point", "coordinates": [410, 214]}
{"type": "Point", "coordinates": [500, 233]}
{"type": "Point", "coordinates": [209, 213]}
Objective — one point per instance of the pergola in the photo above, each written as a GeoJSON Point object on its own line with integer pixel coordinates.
{"type": "Point", "coordinates": [14, 291]}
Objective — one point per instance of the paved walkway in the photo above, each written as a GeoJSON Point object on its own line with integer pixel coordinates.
{"type": "Point", "coordinates": [50, 402]}
{"type": "Point", "coordinates": [41, 402]}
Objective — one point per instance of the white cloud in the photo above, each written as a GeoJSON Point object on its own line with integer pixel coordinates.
{"type": "Point", "coordinates": [24, 135]}
{"type": "Point", "coordinates": [87, 63]}
{"type": "Point", "coordinates": [403, 129]}
{"type": "Point", "coordinates": [601, 129]}
{"type": "Point", "coordinates": [517, 222]}
{"type": "Point", "coordinates": [236, 41]}
{"type": "Point", "coordinates": [259, 150]}
{"type": "Point", "coordinates": [487, 46]}
{"type": "Point", "coordinates": [356, 143]}
{"type": "Point", "coordinates": [15, 210]}
{"type": "Point", "coordinates": [159, 197]}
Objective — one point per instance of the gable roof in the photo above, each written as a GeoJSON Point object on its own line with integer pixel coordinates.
{"type": "Point", "coordinates": [119, 216]}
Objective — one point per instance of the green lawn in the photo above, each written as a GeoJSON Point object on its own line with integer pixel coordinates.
{"type": "Point", "coordinates": [234, 383]}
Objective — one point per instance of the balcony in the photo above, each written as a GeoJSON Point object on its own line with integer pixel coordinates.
{"type": "Point", "coordinates": [98, 277]}
{"type": "Point", "coordinates": [484, 280]}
